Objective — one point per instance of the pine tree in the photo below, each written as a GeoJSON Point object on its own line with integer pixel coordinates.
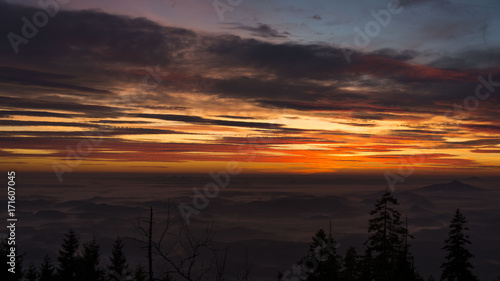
{"type": "Point", "coordinates": [387, 243]}
{"type": "Point", "coordinates": [118, 266]}
{"type": "Point", "coordinates": [89, 263]}
{"type": "Point", "coordinates": [367, 266]}
{"type": "Point", "coordinates": [352, 266]}
{"type": "Point", "coordinates": [31, 273]}
{"type": "Point", "coordinates": [140, 273]}
{"type": "Point", "coordinates": [404, 268]}
{"type": "Point", "coordinates": [68, 257]}
{"type": "Point", "coordinates": [322, 263]}
{"type": "Point", "coordinates": [46, 269]}
{"type": "Point", "coordinates": [457, 266]}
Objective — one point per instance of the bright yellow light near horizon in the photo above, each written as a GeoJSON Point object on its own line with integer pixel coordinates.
{"type": "Point", "coordinates": [322, 123]}
{"type": "Point", "coordinates": [170, 138]}
{"type": "Point", "coordinates": [50, 118]}
{"type": "Point", "coordinates": [301, 146]}
{"type": "Point", "coordinates": [358, 89]}
{"type": "Point", "coordinates": [29, 151]}
{"type": "Point", "coordinates": [306, 123]}
{"type": "Point", "coordinates": [15, 129]}
{"type": "Point", "coordinates": [458, 139]}
{"type": "Point", "coordinates": [492, 159]}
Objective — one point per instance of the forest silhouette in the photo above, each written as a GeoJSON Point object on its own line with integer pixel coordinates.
{"type": "Point", "coordinates": [186, 255]}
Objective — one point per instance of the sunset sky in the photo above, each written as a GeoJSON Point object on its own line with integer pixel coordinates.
{"type": "Point", "coordinates": [278, 86]}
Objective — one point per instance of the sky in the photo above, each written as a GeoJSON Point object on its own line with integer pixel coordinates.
{"type": "Point", "coordinates": [275, 86]}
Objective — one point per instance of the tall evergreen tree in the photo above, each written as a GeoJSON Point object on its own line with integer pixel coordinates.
{"type": "Point", "coordinates": [31, 273]}
{"type": "Point", "coordinates": [68, 257]}
{"type": "Point", "coordinates": [387, 243]}
{"type": "Point", "coordinates": [367, 266]}
{"type": "Point", "coordinates": [89, 263]}
{"type": "Point", "coordinates": [322, 263]}
{"type": "Point", "coordinates": [352, 266]}
{"type": "Point", "coordinates": [404, 267]}
{"type": "Point", "coordinates": [118, 262]}
{"type": "Point", "coordinates": [457, 265]}
{"type": "Point", "coordinates": [46, 270]}
{"type": "Point", "coordinates": [140, 273]}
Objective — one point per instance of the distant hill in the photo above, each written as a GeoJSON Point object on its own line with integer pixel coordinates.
{"type": "Point", "coordinates": [453, 186]}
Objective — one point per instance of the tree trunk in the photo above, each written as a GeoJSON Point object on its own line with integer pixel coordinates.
{"type": "Point", "coordinates": [150, 238]}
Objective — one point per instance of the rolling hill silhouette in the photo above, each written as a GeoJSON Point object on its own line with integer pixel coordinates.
{"type": "Point", "coordinates": [453, 186]}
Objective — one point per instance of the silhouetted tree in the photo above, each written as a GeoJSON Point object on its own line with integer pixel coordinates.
{"type": "Point", "coordinates": [118, 262]}
{"type": "Point", "coordinates": [457, 266]}
{"type": "Point", "coordinates": [68, 257]}
{"type": "Point", "coordinates": [404, 267]}
{"type": "Point", "coordinates": [352, 266]}
{"type": "Point", "coordinates": [188, 254]}
{"type": "Point", "coordinates": [140, 273]}
{"type": "Point", "coordinates": [89, 263]}
{"type": "Point", "coordinates": [147, 236]}
{"type": "Point", "coordinates": [31, 273]}
{"type": "Point", "coordinates": [367, 266]}
{"type": "Point", "coordinates": [387, 242]}
{"type": "Point", "coordinates": [246, 268]}
{"type": "Point", "coordinates": [322, 262]}
{"type": "Point", "coordinates": [46, 270]}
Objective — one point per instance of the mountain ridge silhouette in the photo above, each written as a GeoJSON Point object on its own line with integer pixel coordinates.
{"type": "Point", "coordinates": [452, 186]}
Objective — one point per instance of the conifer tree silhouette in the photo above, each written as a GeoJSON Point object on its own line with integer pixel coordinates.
{"type": "Point", "coordinates": [68, 257]}
{"type": "Point", "coordinates": [46, 269]}
{"type": "Point", "coordinates": [88, 269]}
{"type": "Point", "coordinates": [118, 262]}
{"type": "Point", "coordinates": [322, 263]}
{"type": "Point", "coordinates": [31, 273]}
{"type": "Point", "coordinates": [387, 244]}
{"type": "Point", "coordinates": [352, 266]}
{"type": "Point", "coordinates": [457, 265]}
